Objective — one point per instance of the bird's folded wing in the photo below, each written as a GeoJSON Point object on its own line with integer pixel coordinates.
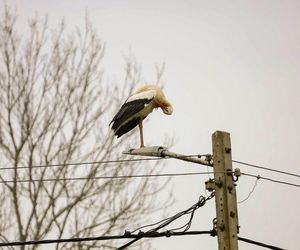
{"type": "Point", "coordinates": [132, 107]}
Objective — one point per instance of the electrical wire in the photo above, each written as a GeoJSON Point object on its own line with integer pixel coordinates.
{"type": "Point", "coordinates": [138, 176]}
{"type": "Point", "coordinates": [2, 181]}
{"type": "Point", "coordinates": [272, 180]}
{"type": "Point", "coordinates": [105, 177]}
{"type": "Point", "coordinates": [142, 159]}
{"type": "Point", "coordinates": [259, 244]}
{"type": "Point", "coordinates": [150, 225]}
{"type": "Point", "coordinates": [103, 238]}
{"type": "Point", "coordinates": [86, 163]}
{"type": "Point", "coordinates": [265, 168]}
{"type": "Point", "coordinates": [201, 202]}
{"type": "Point", "coordinates": [251, 192]}
{"type": "Point", "coordinates": [95, 162]}
{"type": "Point", "coordinates": [128, 236]}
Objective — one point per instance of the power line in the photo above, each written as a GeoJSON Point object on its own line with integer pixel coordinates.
{"type": "Point", "coordinates": [86, 163]}
{"type": "Point", "coordinates": [273, 180]}
{"type": "Point", "coordinates": [129, 236]}
{"type": "Point", "coordinates": [251, 192]}
{"type": "Point", "coordinates": [165, 222]}
{"type": "Point", "coordinates": [94, 162]}
{"type": "Point", "coordinates": [265, 168]}
{"type": "Point", "coordinates": [201, 202]}
{"type": "Point", "coordinates": [106, 177]}
{"type": "Point", "coordinates": [138, 176]}
{"type": "Point", "coordinates": [137, 160]}
{"type": "Point", "coordinates": [103, 238]}
{"type": "Point", "coordinates": [259, 243]}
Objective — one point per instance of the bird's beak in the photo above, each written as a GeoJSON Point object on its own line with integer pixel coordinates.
{"type": "Point", "coordinates": [168, 110]}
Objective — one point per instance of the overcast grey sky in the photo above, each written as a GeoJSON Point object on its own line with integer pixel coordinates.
{"type": "Point", "coordinates": [230, 65]}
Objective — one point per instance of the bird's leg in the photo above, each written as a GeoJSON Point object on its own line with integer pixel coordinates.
{"type": "Point", "coordinates": [141, 133]}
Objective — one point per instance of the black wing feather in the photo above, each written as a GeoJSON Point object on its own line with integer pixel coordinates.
{"type": "Point", "coordinates": [122, 123]}
{"type": "Point", "coordinates": [127, 127]}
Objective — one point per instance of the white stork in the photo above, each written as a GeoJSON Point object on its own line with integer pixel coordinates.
{"type": "Point", "coordinates": [136, 108]}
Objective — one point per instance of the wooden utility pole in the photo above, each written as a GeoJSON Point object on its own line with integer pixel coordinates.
{"type": "Point", "coordinates": [225, 194]}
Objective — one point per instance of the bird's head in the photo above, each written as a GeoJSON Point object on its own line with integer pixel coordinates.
{"type": "Point", "coordinates": [161, 101]}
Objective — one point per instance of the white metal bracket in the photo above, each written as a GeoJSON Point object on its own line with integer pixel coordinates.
{"type": "Point", "coordinates": [160, 151]}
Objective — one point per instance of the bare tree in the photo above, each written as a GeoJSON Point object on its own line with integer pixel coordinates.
{"type": "Point", "coordinates": [55, 109]}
